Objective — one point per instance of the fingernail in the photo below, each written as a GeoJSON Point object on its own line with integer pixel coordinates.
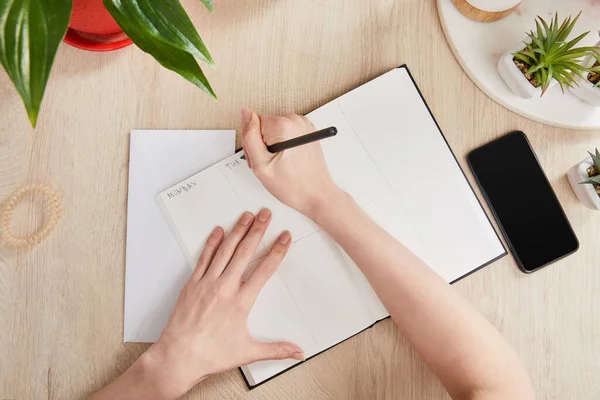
{"type": "Point", "coordinates": [298, 355]}
{"type": "Point", "coordinates": [246, 116]}
{"type": "Point", "coordinates": [217, 232]}
{"type": "Point", "coordinates": [246, 219]}
{"type": "Point", "coordinates": [285, 237]}
{"type": "Point", "coordinates": [263, 216]}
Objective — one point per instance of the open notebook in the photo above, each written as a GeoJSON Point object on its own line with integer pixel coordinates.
{"type": "Point", "coordinates": [391, 157]}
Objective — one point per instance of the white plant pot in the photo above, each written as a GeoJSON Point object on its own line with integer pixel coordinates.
{"type": "Point", "coordinates": [514, 78]}
{"type": "Point", "coordinates": [586, 91]}
{"type": "Point", "coordinates": [585, 193]}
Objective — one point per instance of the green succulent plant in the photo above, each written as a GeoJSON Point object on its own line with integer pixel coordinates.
{"type": "Point", "coordinates": [594, 180]}
{"type": "Point", "coordinates": [548, 55]}
{"type": "Point", "coordinates": [31, 31]}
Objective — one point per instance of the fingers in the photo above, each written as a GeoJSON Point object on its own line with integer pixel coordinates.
{"type": "Point", "coordinates": [247, 247]}
{"type": "Point", "coordinates": [267, 267]}
{"type": "Point", "coordinates": [210, 248]}
{"type": "Point", "coordinates": [259, 131]}
{"type": "Point", "coordinates": [230, 243]}
{"type": "Point", "coordinates": [252, 139]}
{"type": "Point", "coordinates": [301, 121]}
{"type": "Point", "coordinates": [279, 129]}
{"type": "Point", "coordinates": [277, 351]}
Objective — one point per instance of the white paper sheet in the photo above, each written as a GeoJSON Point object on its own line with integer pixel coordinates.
{"type": "Point", "coordinates": [156, 268]}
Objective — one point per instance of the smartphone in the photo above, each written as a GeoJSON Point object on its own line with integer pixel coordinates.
{"type": "Point", "coordinates": [526, 208]}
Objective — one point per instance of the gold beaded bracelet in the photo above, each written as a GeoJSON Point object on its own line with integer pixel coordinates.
{"type": "Point", "coordinates": [52, 214]}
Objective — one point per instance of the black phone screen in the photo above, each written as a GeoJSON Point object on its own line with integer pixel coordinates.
{"type": "Point", "coordinates": [520, 196]}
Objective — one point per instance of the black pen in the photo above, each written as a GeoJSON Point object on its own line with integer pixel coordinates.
{"type": "Point", "coordinates": [300, 140]}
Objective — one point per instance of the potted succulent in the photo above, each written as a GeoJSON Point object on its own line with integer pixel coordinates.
{"type": "Point", "coordinates": [544, 59]}
{"type": "Point", "coordinates": [32, 31]}
{"type": "Point", "coordinates": [588, 85]}
{"type": "Point", "coordinates": [585, 180]}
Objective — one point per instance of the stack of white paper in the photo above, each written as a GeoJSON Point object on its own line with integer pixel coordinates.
{"type": "Point", "coordinates": [156, 269]}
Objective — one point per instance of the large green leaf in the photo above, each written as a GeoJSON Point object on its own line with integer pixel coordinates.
{"type": "Point", "coordinates": [30, 32]}
{"type": "Point", "coordinates": [176, 60]}
{"type": "Point", "coordinates": [163, 29]}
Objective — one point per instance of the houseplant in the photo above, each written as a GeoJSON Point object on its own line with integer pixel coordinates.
{"type": "Point", "coordinates": [545, 58]}
{"type": "Point", "coordinates": [585, 180]}
{"type": "Point", "coordinates": [31, 31]}
{"type": "Point", "coordinates": [588, 86]}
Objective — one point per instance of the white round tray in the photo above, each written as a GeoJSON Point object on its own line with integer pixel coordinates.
{"type": "Point", "coordinates": [478, 47]}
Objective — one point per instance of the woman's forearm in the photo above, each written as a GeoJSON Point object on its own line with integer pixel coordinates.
{"type": "Point", "coordinates": [145, 379]}
{"type": "Point", "coordinates": [461, 347]}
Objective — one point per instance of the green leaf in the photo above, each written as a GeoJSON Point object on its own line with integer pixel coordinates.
{"type": "Point", "coordinates": [567, 28]}
{"type": "Point", "coordinates": [566, 83]}
{"type": "Point", "coordinates": [576, 69]}
{"type": "Point", "coordinates": [523, 58]}
{"type": "Point", "coordinates": [529, 54]}
{"type": "Point", "coordinates": [536, 68]}
{"type": "Point", "coordinates": [163, 20]}
{"type": "Point", "coordinates": [540, 33]}
{"type": "Point", "coordinates": [576, 40]}
{"type": "Point", "coordinates": [595, 180]}
{"type": "Point", "coordinates": [563, 31]}
{"type": "Point", "coordinates": [596, 160]}
{"type": "Point", "coordinates": [542, 80]}
{"type": "Point", "coordinates": [546, 29]}
{"type": "Point", "coordinates": [546, 79]}
{"type": "Point", "coordinates": [552, 33]}
{"type": "Point", "coordinates": [569, 56]}
{"type": "Point", "coordinates": [563, 78]}
{"type": "Point", "coordinates": [539, 43]}
{"type": "Point", "coordinates": [208, 4]}
{"type": "Point", "coordinates": [538, 78]}
{"type": "Point", "coordinates": [30, 32]}
{"type": "Point", "coordinates": [163, 29]}
{"type": "Point", "coordinates": [178, 61]}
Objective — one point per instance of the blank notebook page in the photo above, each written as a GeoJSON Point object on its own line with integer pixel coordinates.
{"type": "Point", "coordinates": [391, 157]}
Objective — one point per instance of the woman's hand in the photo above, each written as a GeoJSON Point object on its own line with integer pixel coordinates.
{"type": "Point", "coordinates": [298, 177]}
{"type": "Point", "coordinates": [207, 332]}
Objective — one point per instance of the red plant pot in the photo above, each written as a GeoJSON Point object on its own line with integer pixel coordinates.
{"type": "Point", "coordinates": [93, 28]}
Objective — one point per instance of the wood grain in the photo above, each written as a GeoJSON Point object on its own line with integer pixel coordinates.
{"type": "Point", "coordinates": [61, 304]}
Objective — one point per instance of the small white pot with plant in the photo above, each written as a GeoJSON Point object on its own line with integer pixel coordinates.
{"type": "Point", "coordinates": [544, 59]}
{"type": "Point", "coordinates": [588, 83]}
{"type": "Point", "coordinates": [585, 180]}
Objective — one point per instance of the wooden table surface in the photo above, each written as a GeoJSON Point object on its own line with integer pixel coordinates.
{"type": "Point", "coordinates": [61, 303]}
